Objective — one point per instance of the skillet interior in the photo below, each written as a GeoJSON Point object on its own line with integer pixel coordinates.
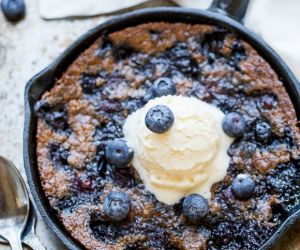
{"type": "Point", "coordinates": [45, 80]}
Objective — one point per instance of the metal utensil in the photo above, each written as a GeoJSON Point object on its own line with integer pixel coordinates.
{"type": "Point", "coordinates": [14, 204]}
{"type": "Point", "coordinates": [29, 236]}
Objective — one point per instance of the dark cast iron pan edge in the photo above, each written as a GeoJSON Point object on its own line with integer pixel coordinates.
{"type": "Point", "coordinates": [45, 79]}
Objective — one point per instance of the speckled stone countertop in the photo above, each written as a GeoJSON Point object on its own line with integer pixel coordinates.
{"type": "Point", "coordinates": [25, 49]}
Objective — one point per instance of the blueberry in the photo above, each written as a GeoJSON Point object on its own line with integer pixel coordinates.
{"type": "Point", "coordinates": [84, 183]}
{"type": "Point", "coordinates": [122, 51]}
{"type": "Point", "coordinates": [159, 119]}
{"type": "Point", "coordinates": [118, 153]}
{"type": "Point", "coordinates": [164, 86]}
{"type": "Point", "coordinates": [88, 84]}
{"type": "Point", "coordinates": [58, 154]}
{"type": "Point", "coordinates": [263, 131]}
{"type": "Point", "coordinates": [116, 205]}
{"type": "Point", "coordinates": [243, 186]}
{"type": "Point", "coordinates": [238, 51]}
{"type": "Point", "coordinates": [56, 119]}
{"type": "Point", "coordinates": [13, 10]}
{"type": "Point", "coordinates": [41, 107]}
{"type": "Point", "coordinates": [195, 207]}
{"type": "Point", "coordinates": [234, 124]}
{"type": "Point", "coordinates": [268, 102]}
{"type": "Point", "coordinates": [179, 51]}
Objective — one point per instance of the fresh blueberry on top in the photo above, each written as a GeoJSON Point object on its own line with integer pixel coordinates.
{"type": "Point", "coordinates": [159, 119]}
{"type": "Point", "coordinates": [56, 119]}
{"type": "Point", "coordinates": [118, 153]}
{"type": "Point", "coordinates": [116, 205]}
{"type": "Point", "coordinates": [13, 10]}
{"type": "Point", "coordinates": [243, 186]}
{"type": "Point", "coordinates": [234, 124]}
{"type": "Point", "coordinates": [164, 86]}
{"type": "Point", "coordinates": [263, 131]}
{"type": "Point", "coordinates": [195, 207]}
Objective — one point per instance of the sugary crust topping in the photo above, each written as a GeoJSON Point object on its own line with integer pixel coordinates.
{"type": "Point", "coordinates": [88, 104]}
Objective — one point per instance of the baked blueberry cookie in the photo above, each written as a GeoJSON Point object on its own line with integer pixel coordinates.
{"type": "Point", "coordinates": [169, 136]}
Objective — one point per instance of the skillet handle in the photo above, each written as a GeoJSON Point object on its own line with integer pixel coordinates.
{"type": "Point", "coordinates": [235, 9]}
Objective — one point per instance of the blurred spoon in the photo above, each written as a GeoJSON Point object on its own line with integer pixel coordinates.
{"type": "Point", "coordinates": [28, 236]}
{"type": "Point", "coordinates": [14, 204]}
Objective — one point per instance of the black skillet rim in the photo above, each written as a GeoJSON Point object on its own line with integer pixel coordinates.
{"type": "Point", "coordinates": [45, 79]}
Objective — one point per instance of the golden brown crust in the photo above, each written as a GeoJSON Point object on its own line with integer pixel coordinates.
{"type": "Point", "coordinates": [253, 76]}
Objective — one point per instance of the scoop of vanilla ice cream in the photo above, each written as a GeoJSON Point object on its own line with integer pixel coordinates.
{"type": "Point", "coordinates": [186, 159]}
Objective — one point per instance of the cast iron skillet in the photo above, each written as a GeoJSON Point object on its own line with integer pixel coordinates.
{"type": "Point", "coordinates": [226, 13]}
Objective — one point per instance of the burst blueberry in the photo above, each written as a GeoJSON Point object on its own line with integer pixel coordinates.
{"type": "Point", "coordinates": [116, 205]}
{"type": "Point", "coordinates": [58, 154]}
{"type": "Point", "coordinates": [268, 102]}
{"type": "Point", "coordinates": [84, 183]}
{"type": "Point", "coordinates": [56, 119]}
{"type": "Point", "coordinates": [159, 119]}
{"type": "Point", "coordinates": [164, 86]}
{"type": "Point", "coordinates": [234, 124]}
{"type": "Point", "coordinates": [118, 153]}
{"type": "Point", "coordinates": [263, 131]}
{"type": "Point", "coordinates": [195, 207]}
{"type": "Point", "coordinates": [88, 83]}
{"type": "Point", "coordinates": [41, 108]}
{"type": "Point", "coordinates": [243, 186]}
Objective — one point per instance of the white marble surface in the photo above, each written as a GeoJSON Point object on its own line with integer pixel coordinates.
{"type": "Point", "coordinates": [25, 49]}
